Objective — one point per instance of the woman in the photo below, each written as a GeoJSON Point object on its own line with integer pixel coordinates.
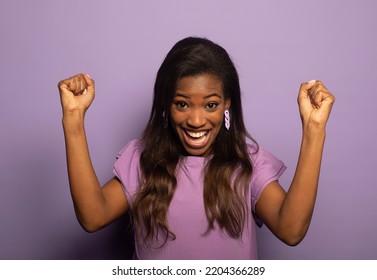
{"type": "Point", "coordinates": [196, 182]}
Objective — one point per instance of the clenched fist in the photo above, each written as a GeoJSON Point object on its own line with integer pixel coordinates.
{"type": "Point", "coordinates": [76, 93]}
{"type": "Point", "coordinates": [315, 103]}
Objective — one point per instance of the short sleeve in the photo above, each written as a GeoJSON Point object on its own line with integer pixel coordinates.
{"type": "Point", "coordinates": [127, 169]}
{"type": "Point", "coordinates": [267, 168]}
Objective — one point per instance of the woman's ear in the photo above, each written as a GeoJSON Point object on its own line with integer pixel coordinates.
{"type": "Point", "coordinates": [227, 104]}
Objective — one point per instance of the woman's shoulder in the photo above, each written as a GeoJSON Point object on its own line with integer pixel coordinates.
{"type": "Point", "coordinates": [259, 154]}
{"type": "Point", "coordinates": [133, 147]}
{"type": "Point", "coordinates": [127, 168]}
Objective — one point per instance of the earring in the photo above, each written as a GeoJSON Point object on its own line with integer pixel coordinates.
{"type": "Point", "coordinates": [227, 119]}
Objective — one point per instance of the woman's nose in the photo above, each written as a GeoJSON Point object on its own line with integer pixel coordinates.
{"type": "Point", "coordinates": [196, 119]}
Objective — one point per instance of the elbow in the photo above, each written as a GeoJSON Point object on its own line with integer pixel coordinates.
{"type": "Point", "coordinates": [293, 240]}
{"type": "Point", "coordinates": [293, 237]}
{"type": "Point", "coordinates": [89, 228]}
{"type": "Point", "coordinates": [88, 225]}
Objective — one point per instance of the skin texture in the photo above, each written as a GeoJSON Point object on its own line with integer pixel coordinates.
{"type": "Point", "coordinates": [198, 106]}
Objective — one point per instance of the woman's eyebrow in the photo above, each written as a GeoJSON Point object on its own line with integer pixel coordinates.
{"type": "Point", "coordinates": [178, 94]}
{"type": "Point", "coordinates": [212, 95]}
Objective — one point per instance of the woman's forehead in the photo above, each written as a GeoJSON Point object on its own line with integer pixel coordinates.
{"type": "Point", "coordinates": [204, 82]}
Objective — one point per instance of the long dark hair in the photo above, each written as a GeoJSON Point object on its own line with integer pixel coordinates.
{"type": "Point", "coordinates": [229, 169]}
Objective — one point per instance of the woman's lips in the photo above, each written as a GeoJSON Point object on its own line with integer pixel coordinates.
{"type": "Point", "coordinates": [196, 139]}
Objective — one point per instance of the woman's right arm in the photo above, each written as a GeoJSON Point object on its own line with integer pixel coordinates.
{"type": "Point", "coordinates": [95, 206]}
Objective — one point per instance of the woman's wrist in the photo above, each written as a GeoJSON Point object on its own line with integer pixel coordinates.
{"type": "Point", "coordinates": [73, 122]}
{"type": "Point", "coordinates": [314, 134]}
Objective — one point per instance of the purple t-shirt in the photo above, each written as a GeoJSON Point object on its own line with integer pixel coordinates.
{"type": "Point", "coordinates": [186, 214]}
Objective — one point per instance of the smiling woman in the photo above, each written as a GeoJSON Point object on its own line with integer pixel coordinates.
{"type": "Point", "coordinates": [197, 112]}
{"type": "Point", "coordinates": [197, 178]}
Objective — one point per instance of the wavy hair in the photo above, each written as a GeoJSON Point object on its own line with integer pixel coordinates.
{"type": "Point", "coordinates": [229, 168]}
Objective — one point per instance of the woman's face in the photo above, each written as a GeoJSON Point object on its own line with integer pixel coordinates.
{"type": "Point", "coordinates": [197, 112]}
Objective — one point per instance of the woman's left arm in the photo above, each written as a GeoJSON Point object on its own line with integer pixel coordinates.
{"type": "Point", "coordinates": [288, 214]}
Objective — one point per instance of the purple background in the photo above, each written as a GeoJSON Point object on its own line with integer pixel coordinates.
{"type": "Point", "coordinates": [275, 44]}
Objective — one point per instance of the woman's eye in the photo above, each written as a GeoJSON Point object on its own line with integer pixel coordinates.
{"type": "Point", "coordinates": [212, 105]}
{"type": "Point", "coordinates": [181, 105]}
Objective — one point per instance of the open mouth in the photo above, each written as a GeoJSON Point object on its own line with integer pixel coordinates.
{"type": "Point", "coordinates": [196, 139]}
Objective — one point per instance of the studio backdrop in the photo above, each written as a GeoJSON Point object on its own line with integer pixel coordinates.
{"type": "Point", "coordinates": [275, 45]}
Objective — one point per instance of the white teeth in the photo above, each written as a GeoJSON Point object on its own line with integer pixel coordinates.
{"type": "Point", "coordinates": [196, 139]}
{"type": "Point", "coordinates": [196, 134]}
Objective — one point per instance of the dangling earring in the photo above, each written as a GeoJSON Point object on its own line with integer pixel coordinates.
{"type": "Point", "coordinates": [165, 120]}
{"type": "Point", "coordinates": [227, 119]}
